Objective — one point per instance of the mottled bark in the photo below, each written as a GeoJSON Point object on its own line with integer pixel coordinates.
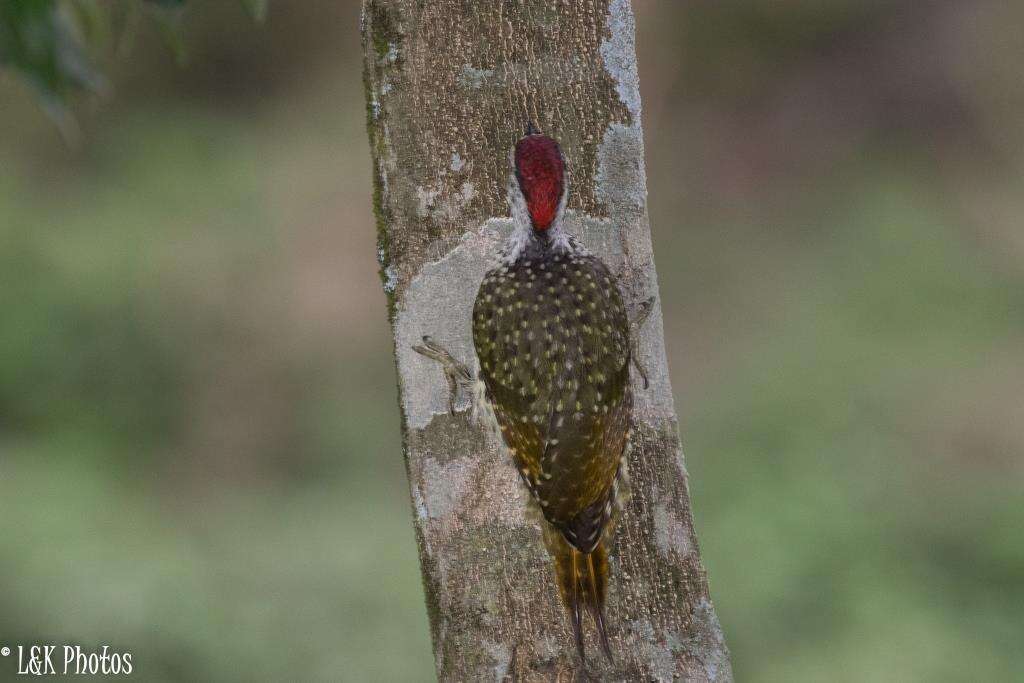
{"type": "Point", "coordinates": [450, 85]}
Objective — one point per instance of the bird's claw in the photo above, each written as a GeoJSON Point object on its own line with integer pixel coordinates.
{"type": "Point", "coordinates": [639, 317]}
{"type": "Point", "coordinates": [455, 372]}
{"type": "Point", "coordinates": [641, 313]}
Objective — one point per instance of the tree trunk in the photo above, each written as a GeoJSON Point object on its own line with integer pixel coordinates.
{"type": "Point", "coordinates": [450, 86]}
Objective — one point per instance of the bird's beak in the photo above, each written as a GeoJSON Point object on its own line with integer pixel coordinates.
{"type": "Point", "coordinates": [532, 129]}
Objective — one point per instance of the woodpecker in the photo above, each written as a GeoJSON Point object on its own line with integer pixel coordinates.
{"type": "Point", "coordinates": [553, 340]}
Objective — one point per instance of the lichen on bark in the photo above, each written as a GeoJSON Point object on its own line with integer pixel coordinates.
{"type": "Point", "coordinates": [450, 85]}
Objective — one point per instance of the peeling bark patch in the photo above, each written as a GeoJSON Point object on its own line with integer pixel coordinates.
{"type": "Point", "coordinates": [502, 655]}
{"type": "Point", "coordinates": [419, 504]}
{"type": "Point", "coordinates": [474, 78]}
{"type": "Point", "coordinates": [621, 175]}
{"type": "Point", "coordinates": [707, 645]}
{"type": "Point", "coordinates": [670, 532]}
{"type": "Point", "coordinates": [425, 200]}
{"type": "Point", "coordinates": [621, 183]}
{"type": "Point", "coordinates": [658, 653]}
{"type": "Point", "coordinates": [619, 53]}
{"type": "Point", "coordinates": [444, 485]}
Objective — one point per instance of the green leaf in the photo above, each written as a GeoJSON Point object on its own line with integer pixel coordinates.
{"type": "Point", "coordinates": [41, 40]}
{"type": "Point", "coordinates": [167, 15]}
{"type": "Point", "coordinates": [92, 21]}
{"type": "Point", "coordinates": [257, 9]}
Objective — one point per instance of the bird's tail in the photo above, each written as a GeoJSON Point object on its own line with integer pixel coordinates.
{"type": "Point", "coordinates": [582, 583]}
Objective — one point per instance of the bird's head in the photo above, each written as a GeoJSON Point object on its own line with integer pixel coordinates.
{"type": "Point", "coordinates": [539, 178]}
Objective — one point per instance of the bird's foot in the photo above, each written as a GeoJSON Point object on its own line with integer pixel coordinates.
{"type": "Point", "coordinates": [455, 372]}
{"type": "Point", "coordinates": [637, 320]}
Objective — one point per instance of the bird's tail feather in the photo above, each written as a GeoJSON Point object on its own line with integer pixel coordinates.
{"type": "Point", "coordinates": [582, 583]}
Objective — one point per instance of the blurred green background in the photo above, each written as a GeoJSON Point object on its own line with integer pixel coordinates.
{"type": "Point", "coordinates": [199, 436]}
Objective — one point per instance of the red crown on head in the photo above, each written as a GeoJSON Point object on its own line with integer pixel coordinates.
{"type": "Point", "coordinates": [540, 170]}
